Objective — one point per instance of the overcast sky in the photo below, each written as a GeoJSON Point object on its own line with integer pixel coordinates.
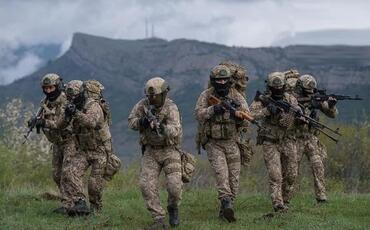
{"type": "Point", "coordinates": [252, 23]}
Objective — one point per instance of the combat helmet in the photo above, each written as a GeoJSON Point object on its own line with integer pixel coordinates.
{"type": "Point", "coordinates": [220, 78]}
{"type": "Point", "coordinates": [75, 93]}
{"type": "Point", "coordinates": [275, 84]}
{"type": "Point", "coordinates": [156, 90]}
{"type": "Point", "coordinates": [52, 79]}
{"type": "Point", "coordinates": [238, 75]}
{"type": "Point", "coordinates": [73, 88]}
{"type": "Point", "coordinates": [308, 83]}
{"type": "Point", "coordinates": [276, 80]}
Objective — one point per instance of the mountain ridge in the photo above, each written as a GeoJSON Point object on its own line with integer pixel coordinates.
{"type": "Point", "coordinates": [124, 66]}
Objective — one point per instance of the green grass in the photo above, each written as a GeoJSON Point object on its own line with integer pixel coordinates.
{"type": "Point", "coordinates": [125, 209]}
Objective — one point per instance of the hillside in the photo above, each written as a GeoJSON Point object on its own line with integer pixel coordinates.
{"type": "Point", "coordinates": [123, 66]}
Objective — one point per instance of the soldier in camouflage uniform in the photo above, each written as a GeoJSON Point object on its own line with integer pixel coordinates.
{"type": "Point", "coordinates": [307, 137]}
{"type": "Point", "coordinates": [91, 133]}
{"type": "Point", "coordinates": [240, 80]}
{"type": "Point", "coordinates": [157, 119]}
{"type": "Point", "coordinates": [221, 129]}
{"type": "Point", "coordinates": [53, 109]}
{"type": "Point", "coordinates": [277, 140]}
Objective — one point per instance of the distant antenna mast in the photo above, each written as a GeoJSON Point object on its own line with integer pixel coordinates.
{"type": "Point", "coordinates": [152, 30]}
{"type": "Point", "coordinates": [146, 28]}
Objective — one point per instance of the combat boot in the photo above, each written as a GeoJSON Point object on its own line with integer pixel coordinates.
{"type": "Point", "coordinates": [158, 224]}
{"type": "Point", "coordinates": [227, 209]}
{"type": "Point", "coordinates": [280, 208]}
{"type": "Point", "coordinates": [60, 210]}
{"type": "Point", "coordinates": [321, 201]}
{"type": "Point", "coordinates": [80, 209]}
{"type": "Point", "coordinates": [95, 208]}
{"type": "Point", "coordinates": [173, 212]}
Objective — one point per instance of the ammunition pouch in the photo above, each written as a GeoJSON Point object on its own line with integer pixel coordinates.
{"type": "Point", "coordinates": [187, 166]}
{"type": "Point", "coordinates": [113, 166]}
{"type": "Point", "coordinates": [246, 152]}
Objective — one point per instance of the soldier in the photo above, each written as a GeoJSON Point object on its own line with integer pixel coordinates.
{"type": "Point", "coordinates": [239, 76]}
{"type": "Point", "coordinates": [53, 109]}
{"type": "Point", "coordinates": [277, 140]}
{"type": "Point", "coordinates": [221, 129]}
{"type": "Point", "coordinates": [91, 130]}
{"type": "Point", "coordinates": [240, 80]}
{"type": "Point", "coordinates": [307, 137]}
{"type": "Point", "coordinates": [157, 119]}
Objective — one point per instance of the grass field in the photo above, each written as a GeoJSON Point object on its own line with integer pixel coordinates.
{"type": "Point", "coordinates": [124, 209]}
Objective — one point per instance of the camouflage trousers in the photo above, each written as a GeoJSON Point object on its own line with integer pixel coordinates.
{"type": "Point", "coordinates": [57, 163]}
{"type": "Point", "coordinates": [224, 157]}
{"type": "Point", "coordinates": [311, 146]}
{"type": "Point", "coordinates": [76, 165]}
{"type": "Point", "coordinates": [152, 163]}
{"type": "Point", "coordinates": [282, 167]}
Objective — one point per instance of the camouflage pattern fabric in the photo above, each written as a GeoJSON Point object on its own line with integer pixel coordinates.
{"type": "Point", "coordinates": [224, 157]}
{"type": "Point", "coordinates": [153, 162]}
{"type": "Point", "coordinates": [160, 154]}
{"type": "Point", "coordinates": [73, 174]}
{"type": "Point", "coordinates": [280, 150]}
{"type": "Point", "coordinates": [310, 146]}
{"type": "Point", "coordinates": [91, 132]}
{"type": "Point", "coordinates": [282, 168]}
{"type": "Point", "coordinates": [53, 111]}
{"type": "Point", "coordinates": [222, 133]}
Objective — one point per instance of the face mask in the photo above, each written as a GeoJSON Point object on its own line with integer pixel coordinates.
{"type": "Point", "coordinates": [221, 89]}
{"type": "Point", "coordinates": [277, 93]}
{"type": "Point", "coordinates": [157, 100]}
{"type": "Point", "coordinates": [52, 96]}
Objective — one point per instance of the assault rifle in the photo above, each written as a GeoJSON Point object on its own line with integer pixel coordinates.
{"type": "Point", "coordinates": [32, 123]}
{"type": "Point", "coordinates": [286, 107]}
{"type": "Point", "coordinates": [153, 120]}
{"type": "Point", "coordinates": [320, 95]}
{"type": "Point", "coordinates": [231, 105]}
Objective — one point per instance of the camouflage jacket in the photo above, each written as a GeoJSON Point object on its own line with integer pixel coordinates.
{"type": "Point", "coordinates": [54, 111]}
{"type": "Point", "coordinates": [307, 107]}
{"type": "Point", "coordinates": [221, 126]}
{"type": "Point", "coordinates": [168, 116]}
{"type": "Point", "coordinates": [276, 126]}
{"type": "Point", "coordinates": [88, 125]}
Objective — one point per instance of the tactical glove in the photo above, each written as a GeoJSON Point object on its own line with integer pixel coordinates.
{"type": "Point", "coordinates": [218, 109]}
{"type": "Point", "coordinates": [70, 110]}
{"type": "Point", "coordinates": [332, 102]}
{"type": "Point", "coordinates": [31, 122]}
{"type": "Point", "coordinates": [144, 122]}
{"type": "Point", "coordinates": [316, 104]}
{"type": "Point", "coordinates": [40, 123]}
{"type": "Point", "coordinates": [273, 109]}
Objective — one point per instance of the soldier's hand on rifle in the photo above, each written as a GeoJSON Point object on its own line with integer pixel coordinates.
{"type": "Point", "coordinates": [273, 109]}
{"type": "Point", "coordinates": [144, 122]}
{"type": "Point", "coordinates": [31, 122]}
{"type": "Point", "coordinates": [40, 123]}
{"type": "Point", "coordinates": [70, 110]}
{"type": "Point", "coordinates": [315, 104]}
{"type": "Point", "coordinates": [332, 102]}
{"type": "Point", "coordinates": [218, 109]}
